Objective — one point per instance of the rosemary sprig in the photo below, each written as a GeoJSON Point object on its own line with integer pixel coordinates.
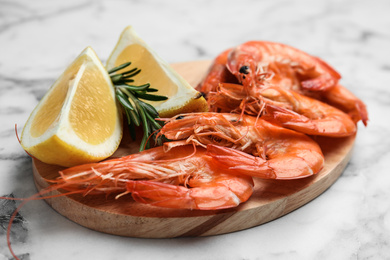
{"type": "Point", "coordinates": [137, 111]}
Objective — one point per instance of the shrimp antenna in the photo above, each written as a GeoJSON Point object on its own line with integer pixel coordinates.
{"type": "Point", "coordinates": [36, 196]}
{"type": "Point", "coordinates": [147, 140]}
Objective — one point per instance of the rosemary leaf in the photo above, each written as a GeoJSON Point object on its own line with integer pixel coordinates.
{"type": "Point", "coordinates": [131, 75]}
{"type": "Point", "coordinates": [127, 80]}
{"type": "Point", "coordinates": [130, 125]}
{"type": "Point", "coordinates": [129, 72]}
{"type": "Point", "coordinates": [153, 124]}
{"type": "Point", "coordinates": [134, 117]}
{"type": "Point", "coordinates": [132, 130]}
{"type": "Point", "coordinates": [124, 101]}
{"type": "Point", "coordinates": [124, 65]}
{"type": "Point", "coordinates": [150, 109]}
{"type": "Point", "coordinates": [116, 78]}
{"type": "Point", "coordinates": [136, 88]}
{"type": "Point", "coordinates": [145, 127]}
{"type": "Point", "coordinates": [151, 97]}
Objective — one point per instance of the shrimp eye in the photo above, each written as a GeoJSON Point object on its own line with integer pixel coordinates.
{"type": "Point", "coordinates": [244, 70]}
{"type": "Point", "coordinates": [179, 117]}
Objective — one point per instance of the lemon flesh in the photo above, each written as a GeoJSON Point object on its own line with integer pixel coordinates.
{"type": "Point", "coordinates": [182, 97]}
{"type": "Point", "coordinates": [77, 121]}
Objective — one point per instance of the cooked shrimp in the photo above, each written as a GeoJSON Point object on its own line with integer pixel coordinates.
{"type": "Point", "coordinates": [258, 64]}
{"type": "Point", "coordinates": [183, 177]}
{"type": "Point", "coordinates": [346, 101]}
{"type": "Point", "coordinates": [286, 108]}
{"type": "Point", "coordinates": [247, 145]}
{"type": "Point", "coordinates": [291, 66]}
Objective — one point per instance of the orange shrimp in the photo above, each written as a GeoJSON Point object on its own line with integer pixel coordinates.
{"type": "Point", "coordinates": [255, 62]}
{"type": "Point", "coordinates": [346, 101]}
{"type": "Point", "coordinates": [291, 66]}
{"type": "Point", "coordinates": [185, 177]}
{"type": "Point", "coordinates": [180, 178]}
{"type": "Point", "coordinates": [284, 107]}
{"type": "Point", "coordinates": [246, 144]}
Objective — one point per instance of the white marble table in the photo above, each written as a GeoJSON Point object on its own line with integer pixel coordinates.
{"type": "Point", "coordinates": [351, 220]}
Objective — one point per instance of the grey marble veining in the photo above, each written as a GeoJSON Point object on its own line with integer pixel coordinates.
{"type": "Point", "coordinates": [351, 220]}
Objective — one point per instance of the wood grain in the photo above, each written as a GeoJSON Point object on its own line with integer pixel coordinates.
{"type": "Point", "coordinates": [271, 199]}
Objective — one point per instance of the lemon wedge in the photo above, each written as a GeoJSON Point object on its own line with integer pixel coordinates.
{"type": "Point", "coordinates": [182, 97]}
{"type": "Point", "coordinates": [77, 121]}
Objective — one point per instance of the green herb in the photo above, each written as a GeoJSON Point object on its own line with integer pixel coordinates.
{"type": "Point", "coordinates": [137, 111]}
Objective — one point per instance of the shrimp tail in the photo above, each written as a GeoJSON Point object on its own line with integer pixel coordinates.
{"type": "Point", "coordinates": [359, 112]}
{"type": "Point", "coordinates": [346, 101]}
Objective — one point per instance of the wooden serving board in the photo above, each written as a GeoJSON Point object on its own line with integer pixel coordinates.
{"type": "Point", "coordinates": [271, 199]}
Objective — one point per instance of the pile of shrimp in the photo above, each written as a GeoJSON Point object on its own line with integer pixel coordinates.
{"type": "Point", "coordinates": [266, 100]}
